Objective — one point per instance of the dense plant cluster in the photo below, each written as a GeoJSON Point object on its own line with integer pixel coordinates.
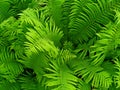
{"type": "Point", "coordinates": [59, 44]}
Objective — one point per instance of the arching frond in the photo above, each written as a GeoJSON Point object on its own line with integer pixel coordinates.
{"type": "Point", "coordinates": [88, 17]}
{"type": "Point", "coordinates": [13, 35]}
{"type": "Point", "coordinates": [38, 21]}
{"type": "Point", "coordinates": [10, 65]}
{"type": "Point", "coordinates": [107, 45]}
{"type": "Point", "coordinates": [95, 75]}
{"type": "Point", "coordinates": [60, 77]}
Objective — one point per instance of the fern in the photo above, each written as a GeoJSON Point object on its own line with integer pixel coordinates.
{"type": "Point", "coordinates": [65, 19]}
{"type": "Point", "coordinates": [10, 65]}
{"type": "Point", "coordinates": [95, 75]}
{"type": "Point", "coordinates": [60, 77]}
{"type": "Point", "coordinates": [59, 44]}
{"type": "Point", "coordinates": [88, 17]}
{"type": "Point", "coordinates": [117, 66]}
{"type": "Point", "coordinates": [83, 86]}
{"type": "Point", "coordinates": [28, 82]}
{"type": "Point", "coordinates": [109, 41]}
{"type": "Point", "coordinates": [55, 9]}
{"type": "Point", "coordinates": [13, 36]}
{"type": "Point", "coordinates": [6, 85]}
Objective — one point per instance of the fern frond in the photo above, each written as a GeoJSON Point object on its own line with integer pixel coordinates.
{"type": "Point", "coordinates": [83, 50]}
{"type": "Point", "coordinates": [109, 41]}
{"type": "Point", "coordinates": [13, 36]}
{"type": "Point", "coordinates": [6, 85]}
{"type": "Point", "coordinates": [117, 76]}
{"type": "Point", "coordinates": [37, 61]}
{"type": "Point", "coordinates": [38, 21]}
{"type": "Point", "coordinates": [60, 77]}
{"type": "Point", "coordinates": [11, 66]}
{"type": "Point", "coordinates": [55, 10]}
{"type": "Point", "coordinates": [87, 18]}
{"type": "Point", "coordinates": [43, 36]}
{"type": "Point", "coordinates": [30, 16]}
{"type": "Point", "coordinates": [66, 55]}
{"type": "Point", "coordinates": [13, 8]}
{"type": "Point", "coordinates": [65, 18]}
{"type": "Point", "coordinates": [4, 10]}
{"type": "Point", "coordinates": [94, 74]}
{"type": "Point", "coordinates": [43, 41]}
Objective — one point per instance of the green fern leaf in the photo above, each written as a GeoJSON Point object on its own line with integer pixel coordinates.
{"type": "Point", "coordinates": [87, 18]}
{"type": "Point", "coordinates": [11, 66]}
{"type": "Point", "coordinates": [94, 74]}
{"type": "Point", "coordinates": [60, 77]}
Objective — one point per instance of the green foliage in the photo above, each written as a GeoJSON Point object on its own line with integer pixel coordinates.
{"type": "Point", "coordinates": [9, 65]}
{"type": "Point", "coordinates": [60, 77]}
{"type": "Point", "coordinates": [59, 44]}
